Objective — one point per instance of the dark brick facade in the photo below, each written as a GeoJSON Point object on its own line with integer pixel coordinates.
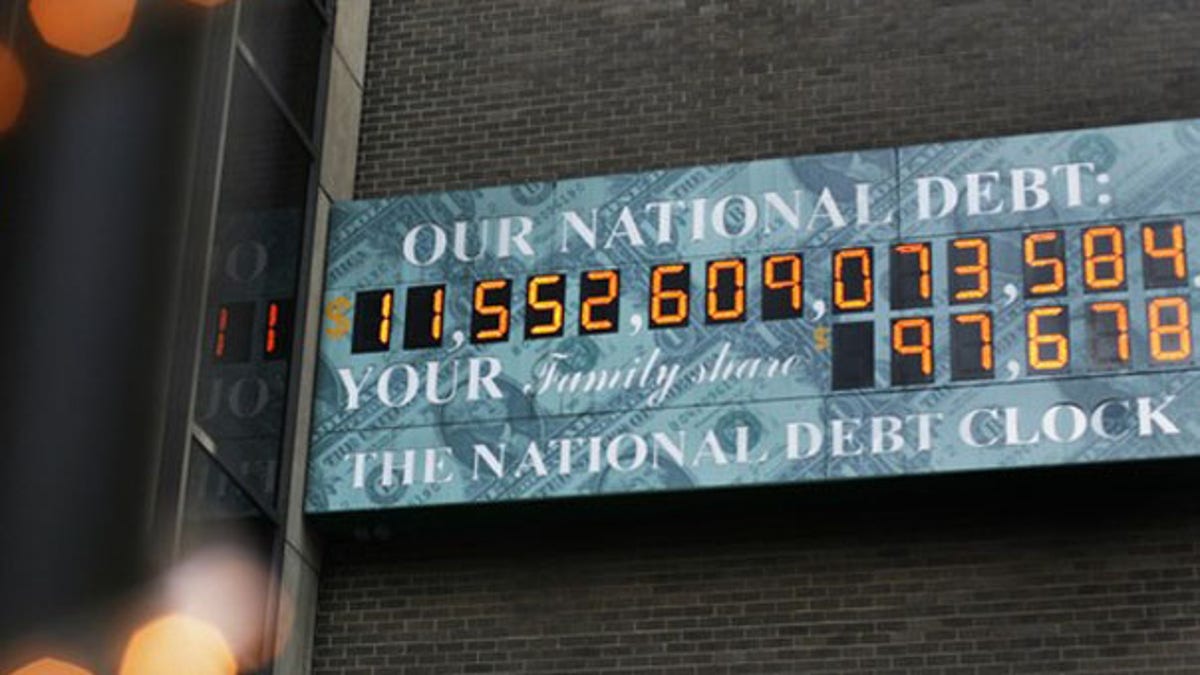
{"type": "Point", "coordinates": [1084, 571]}
{"type": "Point", "coordinates": [471, 92]}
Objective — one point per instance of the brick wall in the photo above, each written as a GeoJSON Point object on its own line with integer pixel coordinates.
{"type": "Point", "coordinates": [1064, 571]}
{"type": "Point", "coordinates": [1081, 571]}
{"type": "Point", "coordinates": [472, 92]}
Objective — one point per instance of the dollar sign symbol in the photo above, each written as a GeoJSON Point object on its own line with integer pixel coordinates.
{"type": "Point", "coordinates": [821, 338]}
{"type": "Point", "coordinates": [335, 312]}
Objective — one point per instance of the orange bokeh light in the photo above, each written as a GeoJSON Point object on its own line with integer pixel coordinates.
{"type": "Point", "coordinates": [178, 645]}
{"type": "Point", "coordinates": [82, 27]}
{"type": "Point", "coordinates": [50, 666]}
{"type": "Point", "coordinates": [12, 89]}
{"type": "Point", "coordinates": [232, 591]}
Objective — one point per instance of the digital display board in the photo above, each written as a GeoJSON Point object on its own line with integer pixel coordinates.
{"type": "Point", "coordinates": [971, 305]}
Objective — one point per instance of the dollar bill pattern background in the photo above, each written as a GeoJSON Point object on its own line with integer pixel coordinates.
{"type": "Point", "coordinates": [1153, 172]}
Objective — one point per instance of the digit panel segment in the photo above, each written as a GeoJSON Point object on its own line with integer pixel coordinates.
{"type": "Point", "coordinates": [1067, 300]}
{"type": "Point", "coordinates": [911, 278]}
{"type": "Point", "coordinates": [599, 301]}
{"type": "Point", "coordinates": [1045, 270]}
{"type": "Point", "coordinates": [234, 339]}
{"type": "Point", "coordinates": [853, 358]}
{"type": "Point", "coordinates": [1164, 254]}
{"type": "Point", "coordinates": [969, 260]}
{"type": "Point", "coordinates": [783, 286]}
{"type": "Point", "coordinates": [670, 295]}
{"type": "Point", "coordinates": [491, 312]}
{"type": "Point", "coordinates": [912, 351]}
{"type": "Point", "coordinates": [972, 348]}
{"type": "Point", "coordinates": [373, 312]}
{"type": "Point", "coordinates": [424, 316]}
{"type": "Point", "coordinates": [725, 292]}
{"type": "Point", "coordinates": [277, 338]}
{"type": "Point", "coordinates": [545, 306]}
{"type": "Point", "coordinates": [1109, 342]}
{"type": "Point", "coordinates": [853, 280]}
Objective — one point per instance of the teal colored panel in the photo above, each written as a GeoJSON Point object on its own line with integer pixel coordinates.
{"type": "Point", "coordinates": [1006, 302]}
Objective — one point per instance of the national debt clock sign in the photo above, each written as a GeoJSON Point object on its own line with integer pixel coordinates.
{"type": "Point", "coordinates": [1007, 302]}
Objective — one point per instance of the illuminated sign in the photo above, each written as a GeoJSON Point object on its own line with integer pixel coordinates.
{"type": "Point", "coordinates": [974, 305]}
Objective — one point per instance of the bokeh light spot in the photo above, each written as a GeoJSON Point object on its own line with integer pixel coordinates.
{"type": "Point", "coordinates": [232, 590]}
{"type": "Point", "coordinates": [48, 666]}
{"type": "Point", "coordinates": [178, 645]}
{"type": "Point", "coordinates": [82, 27]}
{"type": "Point", "coordinates": [12, 89]}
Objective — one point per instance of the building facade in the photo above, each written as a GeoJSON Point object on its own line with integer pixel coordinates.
{"type": "Point", "coordinates": [1079, 570]}
{"type": "Point", "coordinates": [304, 106]}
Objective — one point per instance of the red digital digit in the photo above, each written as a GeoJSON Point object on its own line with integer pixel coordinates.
{"type": "Point", "coordinates": [222, 332]}
{"type": "Point", "coordinates": [272, 345]}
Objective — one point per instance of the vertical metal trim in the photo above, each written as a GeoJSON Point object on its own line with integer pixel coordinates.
{"type": "Point", "coordinates": [300, 347]}
{"type": "Point", "coordinates": [293, 436]}
{"type": "Point", "coordinates": [210, 224]}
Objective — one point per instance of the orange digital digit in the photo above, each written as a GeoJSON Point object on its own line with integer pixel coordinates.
{"type": "Point", "coordinates": [544, 315]}
{"type": "Point", "coordinates": [985, 348]}
{"type": "Point", "coordinates": [669, 295]}
{"type": "Point", "coordinates": [852, 287]}
{"type": "Point", "coordinates": [1109, 346]}
{"type": "Point", "coordinates": [911, 276]}
{"type": "Point", "coordinates": [922, 347]}
{"type": "Point", "coordinates": [424, 317]}
{"type": "Point", "coordinates": [1164, 255]}
{"type": "Point", "coordinates": [924, 263]}
{"type": "Point", "coordinates": [1104, 258]}
{"type": "Point", "coordinates": [372, 321]}
{"type": "Point", "coordinates": [1170, 329]}
{"type": "Point", "coordinates": [972, 354]}
{"type": "Point", "coordinates": [1046, 336]}
{"type": "Point", "coordinates": [490, 320]}
{"type": "Point", "coordinates": [726, 290]}
{"type": "Point", "coordinates": [971, 280]}
{"type": "Point", "coordinates": [912, 338]}
{"type": "Point", "coordinates": [385, 318]}
{"type": "Point", "coordinates": [1045, 270]}
{"type": "Point", "coordinates": [783, 286]}
{"type": "Point", "coordinates": [439, 311]}
{"type": "Point", "coordinates": [598, 292]}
